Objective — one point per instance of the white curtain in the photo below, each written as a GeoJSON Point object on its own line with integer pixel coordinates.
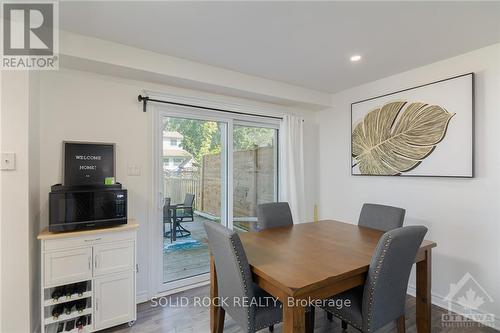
{"type": "Point", "coordinates": [291, 143]}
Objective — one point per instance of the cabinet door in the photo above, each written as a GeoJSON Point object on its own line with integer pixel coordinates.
{"type": "Point", "coordinates": [68, 266]}
{"type": "Point", "coordinates": [114, 300]}
{"type": "Point", "coordinates": [114, 258]}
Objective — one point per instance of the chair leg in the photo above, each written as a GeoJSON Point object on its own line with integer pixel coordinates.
{"type": "Point", "coordinates": [401, 324]}
{"type": "Point", "coordinates": [310, 317]}
{"type": "Point", "coordinates": [329, 316]}
{"type": "Point", "coordinates": [344, 324]}
{"type": "Point", "coordinates": [271, 328]}
{"type": "Point", "coordinates": [221, 314]}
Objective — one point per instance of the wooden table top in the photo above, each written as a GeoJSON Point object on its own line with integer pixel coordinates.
{"type": "Point", "coordinates": [308, 254]}
{"type": "Point", "coordinates": [46, 234]}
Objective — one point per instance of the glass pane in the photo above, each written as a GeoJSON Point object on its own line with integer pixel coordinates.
{"type": "Point", "coordinates": [192, 185]}
{"type": "Point", "coordinates": [254, 173]}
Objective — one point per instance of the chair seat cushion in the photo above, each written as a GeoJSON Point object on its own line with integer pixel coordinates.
{"type": "Point", "coordinates": [353, 313]}
{"type": "Point", "coordinates": [269, 310]}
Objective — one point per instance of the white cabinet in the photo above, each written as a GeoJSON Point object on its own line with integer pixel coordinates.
{"type": "Point", "coordinates": [106, 260]}
{"type": "Point", "coordinates": [114, 299]}
{"type": "Point", "coordinates": [69, 266]}
{"type": "Point", "coordinates": [113, 257]}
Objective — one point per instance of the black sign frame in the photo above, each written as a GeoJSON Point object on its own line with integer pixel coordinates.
{"type": "Point", "coordinates": [91, 157]}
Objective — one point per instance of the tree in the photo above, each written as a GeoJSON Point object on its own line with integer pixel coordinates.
{"type": "Point", "coordinates": [199, 137]}
{"type": "Point", "coordinates": [204, 137]}
{"type": "Point", "coordinates": [246, 138]}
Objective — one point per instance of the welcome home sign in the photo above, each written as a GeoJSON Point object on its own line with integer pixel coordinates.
{"type": "Point", "coordinates": [88, 163]}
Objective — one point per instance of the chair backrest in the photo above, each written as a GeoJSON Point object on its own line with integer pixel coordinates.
{"type": "Point", "coordinates": [274, 214]}
{"type": "Point", "coordinates": [381, 217]}
{"type": "Point", "coordinates": [166, 210]}
{"type": "Point", "coordinates": [384, 293]}
{"type": "Point", "coordinates": [234, 278]}
{"type": "Point", "coordinates": [188, 200]}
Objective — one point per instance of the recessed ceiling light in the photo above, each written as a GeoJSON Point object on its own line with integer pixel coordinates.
{"type": "Point", "coordinates": [355, 58]}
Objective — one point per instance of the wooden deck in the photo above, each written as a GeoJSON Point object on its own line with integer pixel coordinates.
{"type": "Point", "coordinates": [186, 262]}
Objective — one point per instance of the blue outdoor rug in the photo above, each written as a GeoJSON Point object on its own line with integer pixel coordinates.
{"type": "Point", "coordinates": [186, 243]}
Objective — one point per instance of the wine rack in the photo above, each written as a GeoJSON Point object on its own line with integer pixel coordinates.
{"type": "Point", "coordinates": [68, 308]}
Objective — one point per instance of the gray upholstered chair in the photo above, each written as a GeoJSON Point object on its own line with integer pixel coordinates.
{"type": "Point", "coordinates": [273, 215]}
{"type": "Point", "coordinates": [234, 280]}
{"type": "Point", "coordinates": [381, 217]}
{"type": "Point", "coordinates": [382, 299]}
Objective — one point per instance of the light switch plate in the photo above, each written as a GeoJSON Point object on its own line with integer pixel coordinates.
{"type": "Point", "coordinates": [133, 170]}
{"type": "Point", "coordinates": [8, 161]}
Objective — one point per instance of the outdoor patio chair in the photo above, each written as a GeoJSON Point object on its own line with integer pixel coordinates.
{"type": "Point", "coordinates": [177, 214]}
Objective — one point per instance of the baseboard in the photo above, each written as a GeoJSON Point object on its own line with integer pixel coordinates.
{"type": "Point", "coordinates": [440, 301]}
{"type": "Point", "coordinates": [142, 297]}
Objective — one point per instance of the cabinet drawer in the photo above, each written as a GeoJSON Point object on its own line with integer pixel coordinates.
{"type": "Point", "coordinates": [114, 300]}
{"type": "Point", "coordinates": [88, 240]}
{"type": "Point", "coordinates": [114, 258]}
{"type": "Point", "coordinates": [67, 266]}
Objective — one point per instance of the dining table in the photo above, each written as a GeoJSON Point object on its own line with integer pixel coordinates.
{"type": "Point", "coordinates": [315, 261]}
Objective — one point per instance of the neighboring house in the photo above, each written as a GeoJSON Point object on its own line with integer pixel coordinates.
{"type": "Point", "coordinates": [174, 157]}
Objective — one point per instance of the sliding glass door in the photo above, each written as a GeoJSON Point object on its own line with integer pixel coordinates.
{"type": "Point", "coordinates": [210, 169]}
{"type": "Point", "coordinates": [255, 172]}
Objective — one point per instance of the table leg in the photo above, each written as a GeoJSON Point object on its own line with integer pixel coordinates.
{"type": "Point", "coordinates": [293, 318]}
{"type": "Point", "coordinates": [216, 312]}
{"type": "Point", "coordinates": [173, 236]}
{"type": "Point", "coordinates": [423, 299]}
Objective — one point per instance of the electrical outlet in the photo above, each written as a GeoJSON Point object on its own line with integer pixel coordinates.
{"type": "Point", "coordinates": [8, 161]}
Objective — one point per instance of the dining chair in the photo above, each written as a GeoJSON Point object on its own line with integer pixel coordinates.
{"type": "Point", "coordinates": [273, 215]}
{"type": "Point", "coordinates": [381, 217]}
{"type": "Point", "coordinates": [382, 299]}
{"type": "Point", "coordinates": [248, 305]}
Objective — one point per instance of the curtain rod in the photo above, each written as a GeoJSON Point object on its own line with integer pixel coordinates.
{"type": "Point", "coordinates": [146, 99]}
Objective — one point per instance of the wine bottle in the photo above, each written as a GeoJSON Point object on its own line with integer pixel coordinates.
{"type": "Point", "coordinates": [68, 290]}
{"type": "Point", "coordinates": [81, 305]}
{"type": "Point", "coordinates": [70, 325]}
{"type": "Point", "coordinates": [80, 288]}
{"type": "Point", "coordinates": [60, 327]}
{"type": "Point", "coordinates": [57, 293]}
{"type": "Point", "coordinates": [57, 311]}
{"type": "Point", "coordinates": [68, 307]}
{"type": "Point", "coordinates": [82, 321]}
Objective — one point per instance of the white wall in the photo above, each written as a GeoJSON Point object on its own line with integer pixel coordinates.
{"type": "Point", "coordinates": [15, 211]}
{"type": "Point", "coordinates": [76, 105]}
{"type": "Point", "coordinates": [462, 214]}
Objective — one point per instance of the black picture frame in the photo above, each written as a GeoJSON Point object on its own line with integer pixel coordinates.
{"type": "Point", "coordinates": [473, 111]}
{"type": "Point", "coordinates": [88, 163]}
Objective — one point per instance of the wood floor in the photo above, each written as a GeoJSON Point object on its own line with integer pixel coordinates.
{"type": "Point", "coordinates": [194, 319]}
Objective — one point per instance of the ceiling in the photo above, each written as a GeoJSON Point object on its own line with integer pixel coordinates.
{"type": "Point", "coordinates": [302, 43]}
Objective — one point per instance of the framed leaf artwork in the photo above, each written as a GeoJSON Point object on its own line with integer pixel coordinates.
{"type": "Point", "coordinates": [422, 131]}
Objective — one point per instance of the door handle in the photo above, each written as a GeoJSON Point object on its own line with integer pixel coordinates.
{"type": "Point", "coordinates": [93, 240]}
{"type": "Point", "coordinates": [96, 264]}
{"type": "Point", "coordinates": [90, 263]}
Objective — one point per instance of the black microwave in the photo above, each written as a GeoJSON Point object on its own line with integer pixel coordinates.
{"type": "Point", "coordinates": [74, 208]}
